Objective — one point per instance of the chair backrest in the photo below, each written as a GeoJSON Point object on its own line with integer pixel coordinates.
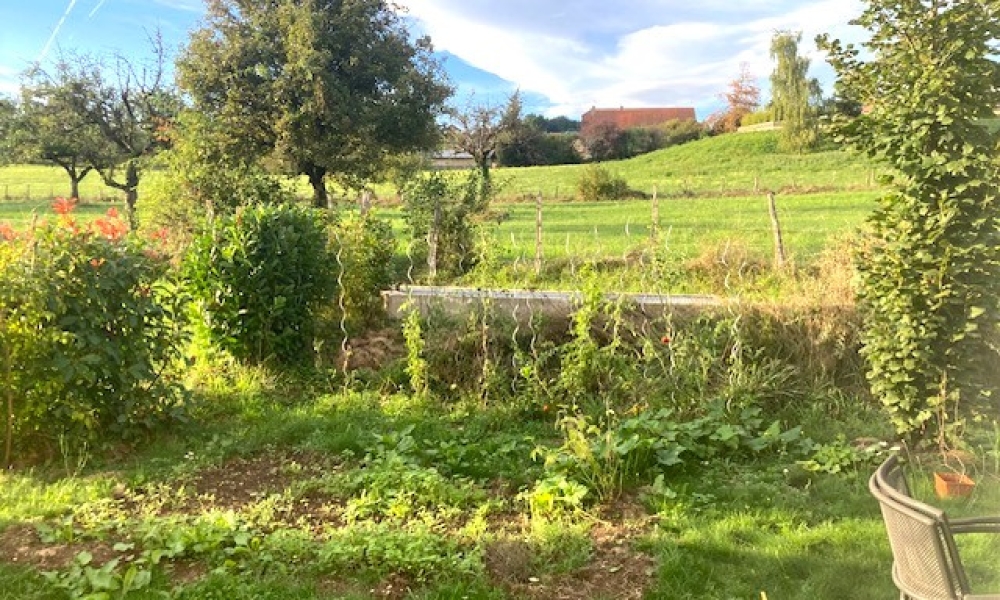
{"type": "Point", "coordinates": [926, 564]}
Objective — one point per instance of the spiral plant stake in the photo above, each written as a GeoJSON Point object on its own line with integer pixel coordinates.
{"type": "Point", "coordinates": [345, 346]}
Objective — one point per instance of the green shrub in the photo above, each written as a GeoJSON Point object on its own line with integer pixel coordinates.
{"type": "Point", "coordinates": [597, 183]}
{"type": "Point", "coordinates": [758, 117]}
{"type": "Point", "coordinates": [362, 248]}
{"type": "Point", "coordinates": [260, 276]}
{"type": "Point", "coordinates": [456, 205]}
{"type": "Point", "coordinates": [88, 326]}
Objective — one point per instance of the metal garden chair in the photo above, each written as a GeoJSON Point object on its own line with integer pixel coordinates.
{"type": "Point", "coordinates": [926, 563]}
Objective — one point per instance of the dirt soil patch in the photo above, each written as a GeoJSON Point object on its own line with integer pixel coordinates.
{"type": "Point", "coordinates": [242, 482]}
{"type": "Point", "coordinates": [21, 545]}
{"type": "Point", "coordinates": [615, 571]}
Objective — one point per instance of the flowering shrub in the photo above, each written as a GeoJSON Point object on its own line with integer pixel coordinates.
{"type": "Point", "coordinates": [88, 324]}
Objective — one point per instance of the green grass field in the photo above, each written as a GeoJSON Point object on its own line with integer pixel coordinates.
{"type": "Point", "coordinates": [20, 214]}
{"type": "Point", "coordinates": [719, 166]}
{"type": "Point", "coordinates": [39, 183]}
{"type": "Point", "coordinates": [687, 225]}
{"type": "Point", "coordinates": [725, 165]}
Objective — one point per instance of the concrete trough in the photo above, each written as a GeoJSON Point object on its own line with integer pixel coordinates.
{"type": "Point", "coordinates": [523, 304]}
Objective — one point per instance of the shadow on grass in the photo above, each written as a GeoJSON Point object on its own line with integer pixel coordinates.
{"type": "Point", "coordinates": [735, 558]}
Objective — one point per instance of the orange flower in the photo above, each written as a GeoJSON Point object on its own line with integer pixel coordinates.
{"type": "Point", "coordinates": [7, 232]}
{"type": "Point", "coordinates": [96, 262]}
{"type": "Point", "coordinates": [63, 206]}
{"type": "Point", "coordinates": [111, 227]}
{"type": "Point", "coordinates": [665, 339]}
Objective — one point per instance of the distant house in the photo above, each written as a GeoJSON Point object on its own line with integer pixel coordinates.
{"type": "Point", "coordinates": [452, 159]}
{"type": "Point", "coordinates": [627, 118]}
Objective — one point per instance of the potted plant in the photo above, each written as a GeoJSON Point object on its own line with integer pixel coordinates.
{"type": "Point", "coordinates": [952, 484]}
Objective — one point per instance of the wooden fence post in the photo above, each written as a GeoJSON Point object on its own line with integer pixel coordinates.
{"type": "Point", "coordinates": [365, 201]}
{"type": "Point", "coordinates": [654, 229]}
{"type": "Point", "coordinates": [779, 246]}
{"type": "Point", "coordinates": [538, 233]}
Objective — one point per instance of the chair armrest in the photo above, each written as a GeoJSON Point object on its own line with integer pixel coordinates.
{"type": "Point", "coordinates": [975, 525]}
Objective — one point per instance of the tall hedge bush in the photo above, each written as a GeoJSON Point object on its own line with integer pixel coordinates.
{"type": "Point", "coordinates": [259, 277]}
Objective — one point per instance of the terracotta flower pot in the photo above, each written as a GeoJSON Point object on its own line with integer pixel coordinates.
{"type": "Point", "coordinates": [953, 485]}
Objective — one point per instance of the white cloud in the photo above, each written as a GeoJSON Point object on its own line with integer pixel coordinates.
{"type": "Point", "coordinates": [631, 52]}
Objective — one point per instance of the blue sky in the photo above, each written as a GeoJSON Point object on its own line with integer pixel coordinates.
{"type": "Point", "coordinates": [565, 56]}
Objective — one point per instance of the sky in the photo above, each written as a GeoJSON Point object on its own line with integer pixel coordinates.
{"type": "Point", "coordinates": [565, 56]}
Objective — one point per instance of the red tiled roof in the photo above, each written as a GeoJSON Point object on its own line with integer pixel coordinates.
{"type": "Point", "coordinates": [626, 118]}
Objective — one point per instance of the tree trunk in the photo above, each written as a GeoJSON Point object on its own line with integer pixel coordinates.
{"type": "Point", "coordinates": [317, 179]}
{"type": "Point", "coordinates": [75, 176]}
{"type": "Point", "coordinates": [131, 193]}
{"type": "Point", "coordinates": [485, 185]}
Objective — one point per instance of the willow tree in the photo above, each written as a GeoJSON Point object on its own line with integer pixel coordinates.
{"type": "Point", "coordinates": [324, 87]}
{"type": "Point", "coordinates": [930, 277]}
{"type": "Point", "coordinates": [793, 93]}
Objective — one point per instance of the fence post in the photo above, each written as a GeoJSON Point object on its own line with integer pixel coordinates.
{"type": "Point", "coordinates": [538, 233]}
{"type": "Point", "coordinates": [654, 229]}
{"type": "Point", "coordinates": [779, 246]}
{"type": "Point", "coordinates": [365, 202]}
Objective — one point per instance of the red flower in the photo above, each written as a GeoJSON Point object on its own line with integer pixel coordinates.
{"type": "Point", "coordinates": [665, 339]}
{"type": "Point", "coordinates": [63, 206]}
{"type": "Point", "coordinates": [7, 232]}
